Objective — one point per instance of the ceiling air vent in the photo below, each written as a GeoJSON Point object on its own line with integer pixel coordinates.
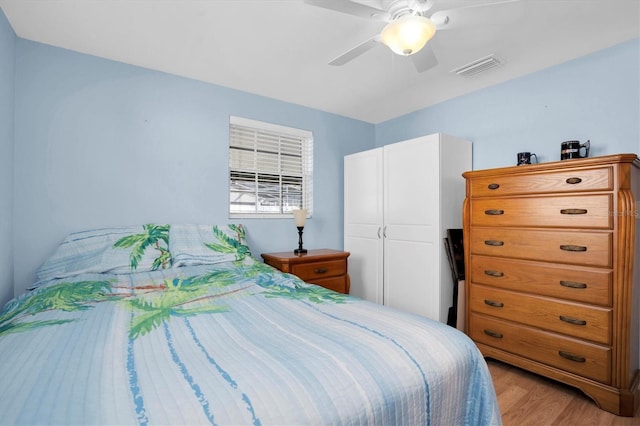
{"type": "Point", "coordinates": [477, 66]}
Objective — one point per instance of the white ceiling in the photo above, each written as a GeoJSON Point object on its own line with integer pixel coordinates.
{"type": "Point", "coordinates": [281, 48]}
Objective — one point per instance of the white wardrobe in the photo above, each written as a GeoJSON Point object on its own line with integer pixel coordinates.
{"type": "Point", "coordinates": [399, 201]}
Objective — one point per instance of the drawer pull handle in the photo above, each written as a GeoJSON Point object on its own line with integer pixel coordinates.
{"type": "Point", "coordinates": [493, 186]}
{"type": "Point", "coordinates": [573, 211]}
{"type": "Point", "coordinates": [494, 212]}
{"type": "Point", "coordinates": [571, 357]}
{"type": "Point", "coordinates": [494, 243]}
{"type": "Point", "coordinates": [573, 321]}
{"type": "Point", "coordinates": [570, 247]}
{"type": "Point", "coordinates": [573, 180]}
{"type": "Point", "coordinates": [493, 303]}
{"type": "Point", "coordinates": [320, 270]}
{"type": "Point", "coordinates": [493, 273]}
{"type": "Point", "coordinates": [493, 333]}
{"type": "Point", "coordinates": [572, 284]}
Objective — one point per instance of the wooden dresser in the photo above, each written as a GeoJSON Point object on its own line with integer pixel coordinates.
{"type": "Point", "coordinates": [324, 267]}
{"type": "Point", "coordinates": [552, 266]}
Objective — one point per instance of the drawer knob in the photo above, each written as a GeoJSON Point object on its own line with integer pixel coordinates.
{"type": "Point", "coordinates": [573, 180]}
{"type": "Point", "coordinates": [573, 211]}
{"type": "Point", "coordinates": [493, 333]}
{"type": "Point", "coordinates": [494, 243]}
{"type": "Point", "coordinates": [493, 273]}
{"type": "Point", "coordinates": [493, 186]}
{"type": "Point", "coordinates": [571, 357]}
{"type": "Point", "coordinates": [570, 247]}
{"type": "Point", "coordinates": [572, 284]}
{"type": "Point", "coordinates": [494, 212]}
{"type": "Point", "coordinates": [573, 321]}
{"type": "Point", "coordinates": [320, 270]}
{"type": "Point", "coordinates": [493, 303]}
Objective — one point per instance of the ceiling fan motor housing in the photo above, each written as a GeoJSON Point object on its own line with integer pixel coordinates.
{"type": "Point", "coordinates": [399, 8]}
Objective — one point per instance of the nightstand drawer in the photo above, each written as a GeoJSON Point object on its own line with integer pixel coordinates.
{"type": "Point", "coordinates": [318, 270]}
{"type": "Point", "coordinates": [583, 358]}
{"type": "Point", "coordinates": [339, 284]}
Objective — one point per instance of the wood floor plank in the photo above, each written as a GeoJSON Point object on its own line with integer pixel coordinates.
{"type": "Point", "coordinates": [529, 411]}
{"type": "Point", "coordinates": [530, 399]}
{"type": "Point", "coordinates": [509, 398]}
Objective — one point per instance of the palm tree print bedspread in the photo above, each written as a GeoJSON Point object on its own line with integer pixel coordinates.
{"type": "Point", "coordinates": [153, 302]}
{"type": "Point", "coordinates": [230, 343]}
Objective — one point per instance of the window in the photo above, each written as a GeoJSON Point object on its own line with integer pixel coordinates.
{"type": "Point", "coordinates": [270, 169]}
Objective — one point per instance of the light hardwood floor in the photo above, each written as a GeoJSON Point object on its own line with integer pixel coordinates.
{"type": "Point", "coordinates": [529, 399]}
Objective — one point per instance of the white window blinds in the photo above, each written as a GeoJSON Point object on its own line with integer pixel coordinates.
{"type": "Point", "coordinates": [270, 169]}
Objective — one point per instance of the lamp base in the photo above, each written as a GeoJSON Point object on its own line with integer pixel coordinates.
{"type": "Point", "coordinates": [300, 250]}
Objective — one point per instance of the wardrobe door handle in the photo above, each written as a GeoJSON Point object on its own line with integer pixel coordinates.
{"type": "Point", "coordinates": [493, 303]}
{"type": "Point", "coordinates": [572, 284]}
{"type": "Point", "coordinates": [384, 231]}
{"type": "Point", "coordinates": [571, 357]}
{"type": "Point", "coordinates": [493, 273]}
{"type": "Point", "coordinates": [379, 229]}
{"type": "Point", "coordinates": [495, 243]}
{"type": "Point", "coordinates": [493, 186]}
{"type": "Point", "coordinates": [573, 180]}
{"type": "Point", "coordinates": [494, 212]}
{"type": "Point", "coordinates": [570, 247]}
{"type": "Point", "coordinates": [493, 333]}
{"type": "Point", "coordinates": [573, 211]}
{"type": "Point", "coordinates": [573, 321]}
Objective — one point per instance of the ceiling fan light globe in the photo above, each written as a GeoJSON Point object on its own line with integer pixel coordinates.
{"type": "Point", "coordinates": [408, 34]}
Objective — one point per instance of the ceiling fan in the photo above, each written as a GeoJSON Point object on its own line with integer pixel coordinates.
{"type": "Point", "coordinates": [410, 25]}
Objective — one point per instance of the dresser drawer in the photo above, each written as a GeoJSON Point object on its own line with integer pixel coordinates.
{"type": "Point", "coordinates": [582, 358]}
{"type": "Point", "coordinates": [587, 285]}
{"type": "Point", "coordinates": [582, 211]}
{"type": "Point", "coordinates": [317, 270]}
{"type": "Point", "coordinates": [573, 319]}
{"type": "Point", "coordinates": [577, 180]}
{"type": "Point", "coordinates": [579, 248]}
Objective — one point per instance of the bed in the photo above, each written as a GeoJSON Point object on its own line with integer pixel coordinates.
{"type": "Point", "coordinates": [181, 325]}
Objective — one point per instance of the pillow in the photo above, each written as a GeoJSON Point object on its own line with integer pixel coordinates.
{"type": "Point", "coordinates": [113, 250]}
{"type": "Point", "coordinates": [207, 244]}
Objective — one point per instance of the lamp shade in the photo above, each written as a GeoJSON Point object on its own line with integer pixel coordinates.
{"type": "Point", "coordinates": [300, 216]}
{"type": "Point", "coordinates": [408, 34]}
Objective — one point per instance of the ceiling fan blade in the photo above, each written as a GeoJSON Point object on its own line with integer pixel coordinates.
{"type": "Point", "coordinates": [478, 14]}
{"type": "Point", "coordinates": [351, 8]}
{"type": "Point", "coordinates": [425, 59]}
{"type": "Point", "coordinates": [356, 51]}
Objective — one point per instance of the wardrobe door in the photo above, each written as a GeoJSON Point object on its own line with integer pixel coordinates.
{"type": "Point", "coordinates": [411, 249]}
{"type": "Point", "coordinates": [363, 200]}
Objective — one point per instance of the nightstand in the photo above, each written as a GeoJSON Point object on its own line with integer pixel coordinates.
{"type": "Point", "coordinates": [324, 267]}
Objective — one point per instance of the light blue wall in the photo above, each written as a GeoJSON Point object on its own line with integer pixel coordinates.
{"type": "Point", "coordinates": [595, 97]}
{"type": "Point", "coordinates": [100, 143]}
{"type": "Point", "coordinates": [7, 62]}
